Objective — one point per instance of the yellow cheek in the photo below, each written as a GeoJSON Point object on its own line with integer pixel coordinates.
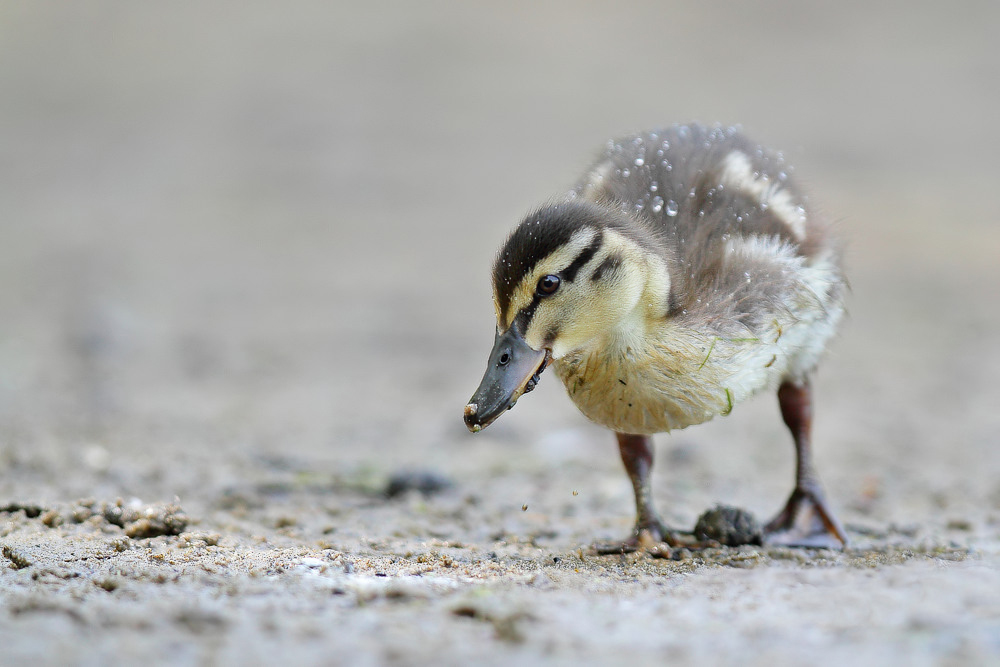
{"type": "Point", "coordinates": [540, 326]}
{"type": "Point", "coordinates": [583, 317]}
{"type": "Point", "coordinates": [571, 319]}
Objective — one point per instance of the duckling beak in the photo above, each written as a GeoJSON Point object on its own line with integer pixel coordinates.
{"type": "Point", "coordinates": [512, 370]}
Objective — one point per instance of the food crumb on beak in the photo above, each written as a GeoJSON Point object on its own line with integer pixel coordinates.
{"type": "Point", "coordinates": [471, 409]}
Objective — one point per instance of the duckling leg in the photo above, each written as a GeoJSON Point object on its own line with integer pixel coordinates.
{"type": "Point", "coordinates": [637, 455]}
{"type": "Point", "coordinates": [806, 520]}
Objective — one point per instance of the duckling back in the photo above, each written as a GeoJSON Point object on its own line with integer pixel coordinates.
{"type": "Point", "coordinates": [697, 185]}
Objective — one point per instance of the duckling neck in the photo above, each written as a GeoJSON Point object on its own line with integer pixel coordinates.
{"type": "Point", "coordinates": [635, 328]}
{"type": "Point", "coordinates": [645, 373]}
{"type": "Point", "coordinates": [644, 378]}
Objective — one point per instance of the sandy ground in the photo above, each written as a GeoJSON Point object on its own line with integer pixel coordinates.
{"type": "Point", "coordinates": [244, 264]}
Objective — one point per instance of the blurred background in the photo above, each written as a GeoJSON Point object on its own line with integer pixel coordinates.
{"type": "Point", "coordinates": [237, 233]}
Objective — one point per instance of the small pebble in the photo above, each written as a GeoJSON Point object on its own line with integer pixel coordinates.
{"type": "Point", "coordinates": [729, 526]}
{"type": "Point", "coordinates": [425, 481]}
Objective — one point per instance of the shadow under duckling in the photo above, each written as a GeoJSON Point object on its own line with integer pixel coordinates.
{"type": "Point", "coordinates": [683, 273]}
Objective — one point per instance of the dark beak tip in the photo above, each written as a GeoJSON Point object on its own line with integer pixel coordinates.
{"type": "Point", "coordinates": [471, 417]}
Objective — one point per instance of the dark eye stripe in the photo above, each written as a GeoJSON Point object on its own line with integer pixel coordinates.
{"type": "Point", "coordinates": [609, 265]}
{"type": "Point", "coordinates": [523, 317]}
{"type": "Point", "coordinates": [569, 273]}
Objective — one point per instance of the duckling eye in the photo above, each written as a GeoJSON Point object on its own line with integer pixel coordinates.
{"type": "Point", "coordinates": [548, 285]}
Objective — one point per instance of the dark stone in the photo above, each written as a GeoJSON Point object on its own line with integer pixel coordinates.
{"type": "Point", "coordinates": [426, 482]}
{"type": "Point", "coordinates": [729, 526]}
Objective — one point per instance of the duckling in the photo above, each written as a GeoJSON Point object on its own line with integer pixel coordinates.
{"type": "Point", "coordinates": [682, 274]}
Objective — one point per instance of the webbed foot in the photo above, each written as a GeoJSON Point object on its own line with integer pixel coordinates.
{"type": "Point", "coordinates": [656, 539]}
{"type": "Point", "coordinates": [806, 521]}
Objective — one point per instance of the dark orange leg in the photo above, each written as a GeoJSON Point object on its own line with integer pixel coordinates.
{"type": "Point", "coordinates": [806, 520]}
{"type": "Point", "coordinates": [637, 455]}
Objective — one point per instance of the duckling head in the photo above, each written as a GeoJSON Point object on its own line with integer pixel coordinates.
{"type": "Point", "coordinates": [570, 276]}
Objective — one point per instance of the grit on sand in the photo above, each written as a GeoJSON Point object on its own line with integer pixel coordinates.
{"type": "Point", "coordinates": [244, 260]}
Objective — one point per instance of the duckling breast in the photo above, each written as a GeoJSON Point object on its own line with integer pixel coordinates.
{"type": "Point", "coordinates": [653, 385]}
